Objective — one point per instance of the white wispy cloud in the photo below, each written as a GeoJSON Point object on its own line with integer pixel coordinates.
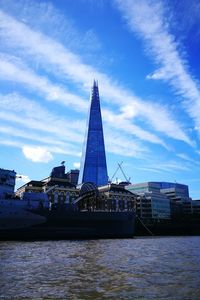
{"type": "Point", "coordinates": [11, 143]}
{"type": "Point", "coordinates": [59, 135]}
{"type": "Point", "coordinates": [171, 166]}
{"type": "Point", "coordinates": [16, 143]}
{"type": "Point", "coordinates": [149, 169]}
{"type": "Point", "coordinates": [45, 50]}
{"type": "Point", "coordinates": [18, 109]}
{"type": "Point", "coordinates": [53, 23]}
{"type": "Point", "coordinates": [122, 123]}
{"type": "Point", "coordinates": [21, 74]}
{"type": "Point", "coordinates": [147, 19]}
{"type": "Point", "coordinates": [184, 156]}
{"type": "Point", "coordinates": [188, 158]}
{"type": "Point", "coordinates": [123, 144]}
{"type": "Point", "coordinates": [49, 141]}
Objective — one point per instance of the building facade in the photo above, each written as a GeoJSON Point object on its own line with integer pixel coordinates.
{"type": "Point", "coordinates": [180, 201]}
{"type": "Point", "coordinates": [93, 163]}
{"type": "Point", "coordinates": [151, 203]}
{"type": "Point", "coordinates": [162, 200]}
{"type": "Point", "coordinates": [118, 197]}
{"type": "Point", "coordinates": [110, 197]}
{"type": "Point", "coordinates": [57, 186]}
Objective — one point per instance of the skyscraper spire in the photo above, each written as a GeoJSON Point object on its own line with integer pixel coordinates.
{"type": "Point", "coordinates": [95, 84]}
{"type": "Point", "coordinates": [93, 162]}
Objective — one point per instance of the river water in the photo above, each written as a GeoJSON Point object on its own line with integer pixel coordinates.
{"type": "Point", "coordinates": [140, 268]}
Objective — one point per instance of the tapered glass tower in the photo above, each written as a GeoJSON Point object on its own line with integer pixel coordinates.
{"type": "Point", "coordinates": [93, 162]}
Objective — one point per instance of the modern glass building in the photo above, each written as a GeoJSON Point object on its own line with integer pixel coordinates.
{"type": "Point", "coordinates": [180, 189]}
{"type": "Point", "coordinates": [179, 197]}
{"type": "Point", "coordinates": [161, 199]}
{"type": "Point", "coordinates": [93, 163]}
{"type": "Point", "coordinates": [151, 203]}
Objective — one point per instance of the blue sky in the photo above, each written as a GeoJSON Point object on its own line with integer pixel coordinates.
{"type": "Point", "coordinates": [144, 55]}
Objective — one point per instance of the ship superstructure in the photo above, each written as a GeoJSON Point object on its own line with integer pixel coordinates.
{"type": "Point", "coordinates": [7, 182]}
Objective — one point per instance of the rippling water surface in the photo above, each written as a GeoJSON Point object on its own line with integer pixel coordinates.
{"type": "Point", "coordinates": [141, 268]}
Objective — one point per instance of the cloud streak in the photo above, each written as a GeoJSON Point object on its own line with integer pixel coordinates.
{"type": "Point", "coordinates": [21, 74]}
{"type": "Point", "coordinates": [162, 167]}
{"type": "Point", "coordinates": [147, 19]}
{"type": "Point", "coordinates": [18, 109]}
{"type": "Point", "coordinates": [59, 135]}
{"type": "Point", "coordinates": [44, 50]}
{"type": "Point", "coordinates": [16, 73]}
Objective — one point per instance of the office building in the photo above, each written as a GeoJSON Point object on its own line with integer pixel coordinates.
{"type": "Point", "coordinates": [180, 201]}
{"type": "Point", "coordinates": [162, 200]}
{"type": "Point", "coordinates": [151, 203]}
{"type": "Point", "coordinates": [93, 163]}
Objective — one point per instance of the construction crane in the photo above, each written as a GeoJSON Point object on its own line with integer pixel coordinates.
{"type": "Point", "coordinates": [120, 168]}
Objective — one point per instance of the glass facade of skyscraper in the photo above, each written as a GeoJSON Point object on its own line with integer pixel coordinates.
{"type": "Point", "coordinates": [93, 163]}
{"type": "Point", "coordinates": [151, 203]}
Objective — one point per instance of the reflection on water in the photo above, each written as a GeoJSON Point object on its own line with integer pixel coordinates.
{"type": "Point", "coordinates": [142, 268]}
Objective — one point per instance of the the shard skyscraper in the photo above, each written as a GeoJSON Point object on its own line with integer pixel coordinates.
{"type": "Point", "coordinates": [93, 163]}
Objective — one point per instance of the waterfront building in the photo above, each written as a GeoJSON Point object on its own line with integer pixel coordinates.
{"type": "Point", "coordinates": [118, 196]}
{"type": "Point", "coordinates": [162, 200]}
{"type": "Point", "coordinates": [93, 163]}
{"type": "Point", "coordinates": [110, 197]}
{"type": "Point", "coordinates": [175, 191]}
{"type": "Point", "coordinates": [58, 187]}
{"type": "Point", "coordinates": [7, 182]}
{"type": "Point", "coordinates": [180, 201]}
{"type": "Point", "coordinates": [72, 176]}
{"type": "Point", "coordinates": [151, 203]}
{"type": "Point", "coordinates": [33, 186]}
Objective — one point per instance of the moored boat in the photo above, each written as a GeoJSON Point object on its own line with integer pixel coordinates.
{"type": "Point", "coordinates": [34, 218]}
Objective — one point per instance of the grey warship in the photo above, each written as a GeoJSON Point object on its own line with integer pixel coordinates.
{"type": "Point", "coordinates": [90, 216]}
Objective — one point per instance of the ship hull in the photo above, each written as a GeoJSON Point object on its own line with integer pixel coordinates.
{"type": "Point", "coordinates": [75, 225]}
